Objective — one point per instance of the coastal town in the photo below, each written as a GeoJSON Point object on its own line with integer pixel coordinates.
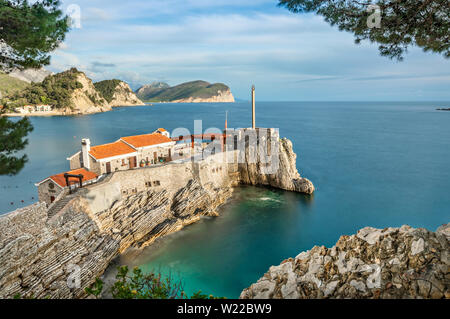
{"type": "Point", "coordinates": [135, 163]}
{"type": "Point", "coordinates": [92, 163]}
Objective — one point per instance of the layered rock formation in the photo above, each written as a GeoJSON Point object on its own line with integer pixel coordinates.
{"type": "Point", "coordinates": [375, 263]}
{"type": "Point", "coordinates": [263, 167]}
{"type": "Point", "coordinates": [59, 257]}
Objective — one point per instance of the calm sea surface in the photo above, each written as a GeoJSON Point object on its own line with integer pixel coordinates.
{"type": "Point", "coordinates": [373, 164]}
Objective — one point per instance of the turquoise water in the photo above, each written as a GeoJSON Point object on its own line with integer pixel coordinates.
{"type": "Point", "coordinates": [373, 164]}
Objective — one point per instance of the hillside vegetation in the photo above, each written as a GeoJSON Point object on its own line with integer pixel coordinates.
{"type": "Point", "coordinates": [107, 88]}
{"type": "Point", "coordinates": [194, 89]}
{"type": "Point", "coordinates": [10, 85]}
{"type": "Point", "coordinates": [55, 90]}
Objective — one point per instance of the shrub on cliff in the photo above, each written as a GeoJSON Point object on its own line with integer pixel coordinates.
{"type": "Point", "coordinates": [138, 285]}
{"type": "Point", "coordinates": [107, 88]}
{"type": "Point", "coordinates": [55, 90]}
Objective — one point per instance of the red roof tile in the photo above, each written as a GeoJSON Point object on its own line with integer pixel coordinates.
{"type": "Point", "coordinates": [146, 140]}
{"type": "Point", "coordinates": [61, 181]}
{"type": "Point", "coordinates": [111, 150]}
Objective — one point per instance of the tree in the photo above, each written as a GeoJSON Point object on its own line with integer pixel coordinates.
{"type": "Point", "coordinates": [29, 32]}
{"type": "Point", "coordinates": [12, 140]}
{"type": "Point", "coordinates": [404, 23]}
{"type": "Point", "coordinates": [139, 285]}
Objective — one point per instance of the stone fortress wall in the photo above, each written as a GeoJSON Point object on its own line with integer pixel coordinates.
{"type": "Point", "coordinates": [61, 255]}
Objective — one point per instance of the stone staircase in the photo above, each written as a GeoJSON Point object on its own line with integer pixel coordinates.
{"type": "Point", "coordinates": [58, 205]}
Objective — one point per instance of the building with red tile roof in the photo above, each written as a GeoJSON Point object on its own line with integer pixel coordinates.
{"type": "Point", "coordinates": [126, 153]}
{"type": "Point", "coordinates": [51, 187]}
{"type": "Point", "coordinates": [118, 148]}
{"type": "Point", "coordinates": [61, 180]}
{"type": "Point", "coordinates": [146, 140]}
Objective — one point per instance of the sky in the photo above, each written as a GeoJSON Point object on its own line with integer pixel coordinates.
{"type": "Point", "coordinates": [289, 57]}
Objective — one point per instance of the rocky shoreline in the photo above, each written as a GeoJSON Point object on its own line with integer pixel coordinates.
{"type": "Point", "coordinates": [375, 263]}
{"type": "Point", "coordinates": [42, 253]}
{"type": "Point", "coordinates": [88, 100]}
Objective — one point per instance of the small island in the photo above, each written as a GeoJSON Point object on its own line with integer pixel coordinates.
{"type": "Point", "coordinates": [443, 109]}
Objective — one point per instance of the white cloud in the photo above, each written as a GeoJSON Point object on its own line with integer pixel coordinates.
{"type": "Point", "coordinates": [238, 44]}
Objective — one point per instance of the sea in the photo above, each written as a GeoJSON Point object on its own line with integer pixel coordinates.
{"type": "Point", "coordinates": [377, 164]}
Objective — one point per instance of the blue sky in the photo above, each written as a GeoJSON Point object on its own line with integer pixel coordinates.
{"type": "Point", "coordinates": [287, 56]}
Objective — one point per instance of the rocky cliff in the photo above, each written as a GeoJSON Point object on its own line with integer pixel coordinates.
{"type": "Point", "coordinates": [69, 92]}
{"type": "Point", "coordinates": [220, 97]}
{"type": "Point", "coordinates": [87, 99]}
{"type": "Point", "coordinates": [375, 263]}
{"type": "Point", "coordinates": [124, 96]}
{"type": "Point", "coordinates": [60, 256]}
{"type": "Point", "coordinates": [268, 168]}
{"type": "Point", "coordinates": [72, 92]}
{"type": "Point", "coordinates": [117, 93]}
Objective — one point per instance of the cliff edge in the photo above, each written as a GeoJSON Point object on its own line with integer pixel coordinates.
{"type": "Point", "coordinates": [375, 263]}
{"type": "Point", "coordinates": [260, 166]}
{"type": "Point", "coordinates": [117, 93]}
{"type": "Point", "coordinates": [58, 251]}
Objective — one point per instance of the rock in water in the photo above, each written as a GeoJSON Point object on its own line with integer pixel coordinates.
{"type": "Point", "coordinates": [375, 263]}
{"type": "Point", "coordinates": [278, 170]}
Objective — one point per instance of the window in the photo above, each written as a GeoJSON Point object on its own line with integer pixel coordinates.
{"type": "Point", "coordinates": [156, 183]}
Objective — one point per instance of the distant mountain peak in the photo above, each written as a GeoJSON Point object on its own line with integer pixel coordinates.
{"type": "Point", "coordinates": [31, 75]}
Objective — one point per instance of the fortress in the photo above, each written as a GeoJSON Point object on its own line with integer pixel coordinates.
{"type": "Point", "coordinates": [57, 247]}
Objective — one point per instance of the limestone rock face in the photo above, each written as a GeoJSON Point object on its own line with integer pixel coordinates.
{"type": "Point", "coordinates": [375, 263]}
{"type": "Point", "coordinates": [124, 96]}
{"type": "Point", "coordinates": [61, 256]}
{"type": "Point", "coordinates": [58, 255]}
{"type": "Point", "coordinates": [277, 169]}
{"type": "Point", "coordinates": [83, 98]}
{"type": "Point", "coordinates": [221, 97]}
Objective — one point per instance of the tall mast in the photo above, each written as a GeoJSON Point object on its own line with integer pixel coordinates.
{"type": "Point", "coordinates": [253, 107]}
{"type": "Point", "coordinates": [226, 120]}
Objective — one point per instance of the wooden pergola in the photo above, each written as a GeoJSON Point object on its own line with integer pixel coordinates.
{"type": "Point", "coordinates": [79, 177]}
